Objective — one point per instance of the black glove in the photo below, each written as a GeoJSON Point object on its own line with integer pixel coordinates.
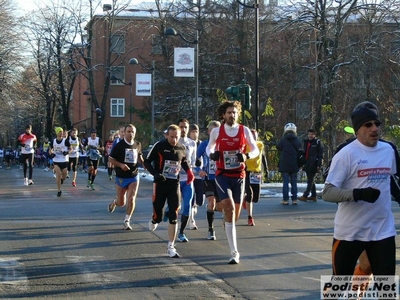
{"type": "Point", "coordinates": [241, 157]}
{"type": "Point", "coordinates": [214, 156]}
{"type": "Point", "coordinates": [159, 178]}
{"type": "Point", "coordinates": [65, 153]}
{"type": "Point", "coordinates": [368, 194]}
{"type": "Point", "coordinates": [198, 162]}
{"type": "Point", "coordinates": [52, 155]}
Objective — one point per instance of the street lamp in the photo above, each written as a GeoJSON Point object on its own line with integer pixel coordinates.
{"type": "Point", "coordinates": [134, 61]}
{"type": "Point", "coordinates": [113, 77]}
{"type": "Point", "coordinates": [172, 31]}
{"type": "Point", "coordinates": [257, 54]}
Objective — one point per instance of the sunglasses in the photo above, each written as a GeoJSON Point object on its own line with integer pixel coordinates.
{"type": "Point", "coordinates": [369, 124]}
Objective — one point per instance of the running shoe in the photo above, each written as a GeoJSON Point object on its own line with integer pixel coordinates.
{"type": "Point", "coordinates": [127, 225]}
{"type": "Point", "coordinates": [166, 217]}
{"type": "Point", "coordinates": [110, 177]}
{"type": "Point", "coordinates": [111, 206]}
{"type": "Point", "coordinates": [171, 251]}
{"type": "Point", "coordinates": [250, 221]}
{"type": "Point", "coordinates": [62, 181]}
{"type": "Point", "coordinates": [294, 202]}
{"type": "Point", "coordinates": [25, 181]}
{"type": "Point", "coordinates": [193, 226]}
{"type": "Point", "coordinates": [234, 258]}
{"type": "Point", "coordinates": [30, 182]}
{"type": "Point", "coordinates": [92, 186]}
{"type": "Point", "coordinates": [211, 235]}
{"type": "Point", "coordinates": [59, 194]}
{"type": "Point", "coordinates": [194, 210]}
{"type": "Point", "coordinates": [285, 202]}
{"type": "Point", "coordinates": [88, 183]}
{"type": "Point", "coordinates": [152, 226]}
{"type": "Point", "coordinates": [54, 175]}
{"type": "Point", "coordinates": [67, 175]}
{"type": "Point", "coordinates": [73, 183]}
{"type": "Point", "coordinates": [182, 238]}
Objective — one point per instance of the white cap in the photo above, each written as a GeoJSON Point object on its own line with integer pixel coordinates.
{"type": "Point", "coordinates": [291, 127]}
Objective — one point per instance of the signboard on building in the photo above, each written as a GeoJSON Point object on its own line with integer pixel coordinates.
{"type": "Point", "coordinates": [143, 85]}
{"type": "Point", "coordinates": [184, 62]}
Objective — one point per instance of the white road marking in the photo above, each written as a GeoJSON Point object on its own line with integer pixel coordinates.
{"type": "Point", "coordinates": [12, 273]}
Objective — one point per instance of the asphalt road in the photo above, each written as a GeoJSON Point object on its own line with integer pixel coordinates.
{"type": "Point", "coordinates": [72, 248]}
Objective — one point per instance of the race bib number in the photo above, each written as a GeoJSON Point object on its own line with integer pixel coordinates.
{"type": "Point", "coordinates": [230, 160]}
{"type": "Point", "coordinates": [212, 167]}
{"type": "Point", "coordinates": [255, 178]}
{"type": "Point", "coordinates": [131, 156]}
{"type": "Point", "coordinates": [171, 169]}
{"type": "Point", "coordinates": [58, 149]}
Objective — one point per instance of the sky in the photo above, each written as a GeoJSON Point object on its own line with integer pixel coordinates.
{"type": "Point", "coordinates": [29, 5]}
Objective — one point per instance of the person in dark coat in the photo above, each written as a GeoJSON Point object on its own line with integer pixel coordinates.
{"type": "Point", "coordinates": [289, 146]}
{"type": "Point", "coordinates": [314, 151]}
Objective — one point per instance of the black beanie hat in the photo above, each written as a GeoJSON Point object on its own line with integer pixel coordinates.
{"type": "Point", "coordinates": [361, 116]}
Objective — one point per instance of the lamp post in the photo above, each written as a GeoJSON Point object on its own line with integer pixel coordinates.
{"type": "Point", "coordinates": [257, 55]}
{"type": "Point", "coordinates": [113, 77]}
{"type": "Point", "coordinates": [173, 32]}
{"type": "Point", "coordinates": [134, 61]}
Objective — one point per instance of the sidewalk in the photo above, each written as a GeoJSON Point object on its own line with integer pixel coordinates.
{"type": "Point", "coordinates": [274, 189]}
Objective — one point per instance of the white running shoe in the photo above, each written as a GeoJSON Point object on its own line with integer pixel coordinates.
{"type": "Point", "coordinates": [234, 258]}
{"type": "Point", "coordinates": [127, 225]}
{"type": "Point", "coordinates": [171, 251]}
{"type": "Point", "coordinates": [25, 181]}
{"type": "Point", "coordinates": [30, 182]}
{"type": "Point", "coordinates": [192, 225]}
{"type": "Point", "coordinates": [152, 226]}
{"type": "Point", "coordinates": [211, 235]}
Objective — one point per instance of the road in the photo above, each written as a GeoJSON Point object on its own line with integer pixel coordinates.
{"type": "Point", "coordinates": [72, 248]}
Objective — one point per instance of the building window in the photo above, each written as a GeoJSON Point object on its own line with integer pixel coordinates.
{"type": "Point", "coordinates": [117, 107]}
{"type": "Point", "coordinates": [302, 79]}
{"type": "Point", "coordinates": [118, 43]}
{"type": "Point", "coordinates": [303, 110]}
{"type": "Point", "coordinates": [119, 73]}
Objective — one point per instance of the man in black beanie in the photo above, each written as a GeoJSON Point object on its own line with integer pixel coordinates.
{"type": "Point", "coordinates": [359, 180]}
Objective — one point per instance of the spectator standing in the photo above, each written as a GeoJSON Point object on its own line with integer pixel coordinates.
{"type": "Point", "coordinates": [313, 151]}
{"type": "Point", "coordinates": [289, 147]}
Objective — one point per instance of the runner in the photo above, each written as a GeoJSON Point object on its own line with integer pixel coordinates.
{"type": "Point", "coordinates": [27, 141]}
{"type": "Point", "coordinates": [125, 156]}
